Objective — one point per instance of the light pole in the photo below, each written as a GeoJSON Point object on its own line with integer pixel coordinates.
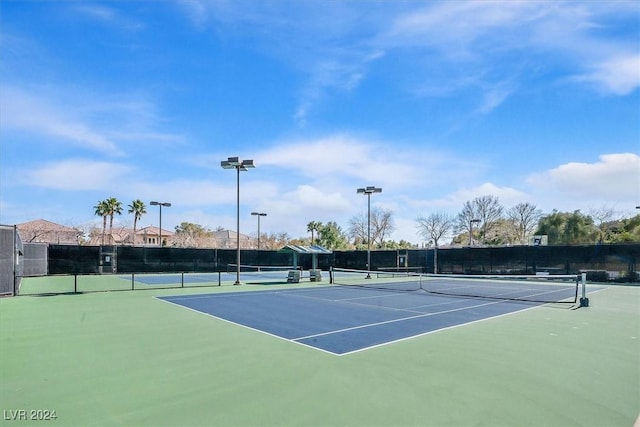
{"type": "Point", "coordinates": [238, 165]}
{"type": "Point", "coordinates": [435, 255]}
{"type": "Point", "coordinates": [471, 222]}
{"type": "Point", "coordinates": [369, 191]}
{"type": "Point", "coordinates": [258, 214]}
{"type": "Point", "coordinates": [161, 204]}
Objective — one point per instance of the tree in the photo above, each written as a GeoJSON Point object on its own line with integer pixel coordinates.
{"type": "Point", "coordinates": [381, 226]}
{"type": "Point", "coordinates": [137, 208]}
{"type": "Point", "coordinates": [579, 228]}
{"type": "Point", "coordinates": [102, 209]}
{"type": "Point", "coordinates": [113, 207]}
{"type": "Point", "coordinates": [485, 210]}
{"type": "Point", "coordinates": [435, 226]}
{"type": "Point", "coordinates": [276, 240]}
{"type": "Point", "coordinates": [358, 229]}
{"type": "Point", "coordinates": [624, 230]}
{"type": "Point", "coordinates": [525, 217]}
{"type": "Point", "coordinates": [465, 219]}
{"type": "Point", "coordinates": [489, 211]}
{"type": "Point", "coordinates": [191, 235]}
{"type": "Point", "coordinates": [503, 232]}
{"type": "Point", "coordinates": [402, 244]}
{"type": "Point", "coordinates": [331, 236]}
{"type": "Point", "coordinates": [603, 218]}
{"type": "Point", "coordinates": [312, 227]}
{"type": "Point", "coordinates": [564, 228]}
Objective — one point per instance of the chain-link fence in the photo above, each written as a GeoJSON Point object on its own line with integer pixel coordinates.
{"type": "Point", "coordinates": [36, 259]}
{"type": "Point", "coordinates": [613, 263]}
{"type": "Point", "coordinates": [11, 260]}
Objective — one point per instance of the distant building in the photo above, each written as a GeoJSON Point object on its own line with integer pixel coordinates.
{"type": "Point", "coordinates": [227, 239]}
{"type": "Point", "coordinates": [150, 236]}
{"type": "Point", "coordinates": [43, 231]}
{"type": "Point", "coordinates": [123, 236]}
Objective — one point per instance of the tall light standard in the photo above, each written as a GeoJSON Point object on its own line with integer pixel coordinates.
{"type": "Point", "coordinates": [238, 165]}
{"type": "Point", "coordinates": [161, 204]}
{"type": "Point", "coordinates": [471, 222]}
{"type": "Point", "coordinates": [369, 191]}
{"type": "Point", "coordinates": [258, 214]}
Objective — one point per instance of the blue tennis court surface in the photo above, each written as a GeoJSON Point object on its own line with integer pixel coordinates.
{"type": "Point", "coordinates": [342, 320]}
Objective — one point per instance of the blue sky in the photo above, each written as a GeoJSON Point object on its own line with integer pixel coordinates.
{"type": "Point", "coordinates": [435, 102]}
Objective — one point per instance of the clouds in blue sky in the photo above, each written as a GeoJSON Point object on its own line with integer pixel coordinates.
{"type": "Point", "coordinates": [436, 102]}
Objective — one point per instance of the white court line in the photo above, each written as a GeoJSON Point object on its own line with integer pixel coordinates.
{"type": "Point", "coordinates": [398, 320]}
{"type": "Point", "coordinates": [298, 292]}
{"type": "Point", "coordinates": [431, 332]}
{"type": "Point", "coordinates": [243, 326]}
{"type": "Point", "coordinates": [354, 301]}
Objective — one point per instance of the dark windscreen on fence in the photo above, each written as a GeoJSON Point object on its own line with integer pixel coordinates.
{"type": "Point", "coordinates": [601, 262]}
{"type": "Point", "coordinates": [69, 259]}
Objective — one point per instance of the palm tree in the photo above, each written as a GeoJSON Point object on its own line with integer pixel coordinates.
{"type": "Point", "coordinates": [137, 208]}
{"type": "Point", "coordinates": [101, 209]}
{"type": "Point", "coordinates": [113, 207]}
{"type": "Point", "coordinates": [313, 226]}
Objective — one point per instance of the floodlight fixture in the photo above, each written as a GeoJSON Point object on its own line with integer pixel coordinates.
{"type": "Point", "coordinates": [369, 191]}
{"type": "Point", "coordinates": [160, 204]}
{"type": "Point", "coordinates": [234, 162]}
{"type": "Point", "coordinates": [238, 165]}
{"type": "Point", "coordinates": [230, 163]}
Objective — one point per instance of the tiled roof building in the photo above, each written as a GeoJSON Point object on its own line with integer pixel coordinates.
{"type": "Point", "coordinates": [43, 231]}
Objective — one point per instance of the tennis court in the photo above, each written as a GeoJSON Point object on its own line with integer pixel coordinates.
{"type": "Point", "coordinates": [343, 320]}
{"type": "Point", "coordinates": [133, 358]}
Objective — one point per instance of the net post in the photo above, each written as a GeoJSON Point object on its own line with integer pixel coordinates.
{"type": "Point", "coordinates": [15, 259]}
{"type": "Point", "coordinates": [331, 275]}
{"type": "Point", "coordinates": [219, 278]}
{"type": "Point", "coordinates": [133, 281]}
{"type": "Point", "coordinates": [584, 301]}
{"type": "Point", "coordinates": [182, 279]}
{"type": "Point", "coordinates": [75, 283]}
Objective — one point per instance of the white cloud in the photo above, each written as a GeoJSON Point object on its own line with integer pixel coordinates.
{"type": "Point", "coordinates": [198, 193]}
{"type": "Point", "coordinates": [335, 69]}
{"type": "Point", "coordinates": [615, 178]}
{"type": "Point", "coordinates": [454, 26]}
{"type": "Point", "coordinates": [494, 97]}
{"type": "Point", "coordinates": [501, 30]}
{"type": "Point", "coordinates": [335, 46]}
{"type": "Point", "coordinates": [35, 114]}
{"type": "Point", "coordinates": [618, 75]}
{"type": "Point", "coordinates": [82, 119]}
{"type": "Point", "coordinates": [77, 175]}
{"type": "Point", "coordinates": [343, 157]}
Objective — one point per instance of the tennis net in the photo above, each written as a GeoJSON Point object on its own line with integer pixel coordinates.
{"type": "Point", "coordinates": [246, 268]}
{"type": "Point", "coordinates": [257, 274]}
{"type": "Point", "coordinates": [533, 288]}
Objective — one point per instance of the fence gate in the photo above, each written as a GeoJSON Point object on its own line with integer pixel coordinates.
{"type": "Point", "coordinates": [11, 260]}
